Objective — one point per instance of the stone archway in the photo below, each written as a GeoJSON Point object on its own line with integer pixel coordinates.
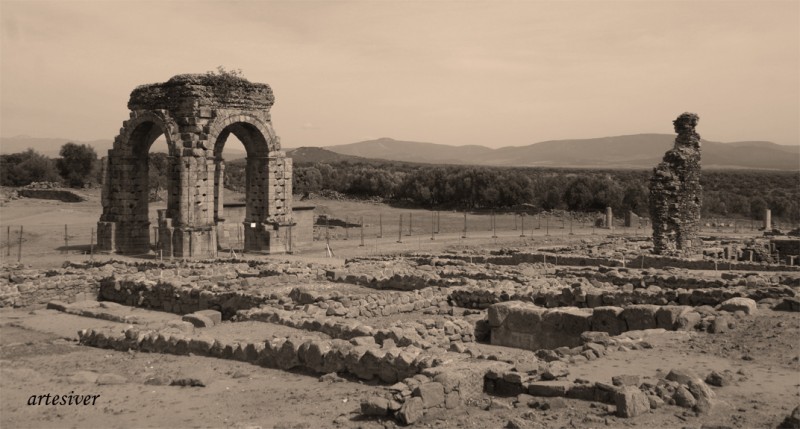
{"type": "Point", "coordinates": [196, 113]}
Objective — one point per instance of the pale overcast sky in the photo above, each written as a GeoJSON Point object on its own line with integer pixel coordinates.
{"type": "Point", "coordinates": [494, 73]}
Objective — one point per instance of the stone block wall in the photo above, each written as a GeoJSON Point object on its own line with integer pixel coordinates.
{"type": "Point", "coordinates": [196, 114]}
{"type": "Point", "coordinates": [675, 193]}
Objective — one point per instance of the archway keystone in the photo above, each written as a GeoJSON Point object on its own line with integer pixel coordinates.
{"type": "Point", "coordinates": [196, 114]}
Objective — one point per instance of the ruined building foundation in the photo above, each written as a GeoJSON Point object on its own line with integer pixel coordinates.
{"type": "Point", "coordinates": [675, 192]}
{"type": "Point", "coordinates": [196, 114]}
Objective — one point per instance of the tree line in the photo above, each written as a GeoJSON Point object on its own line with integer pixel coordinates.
{"type": "Point", "coordinates": [726, 193]}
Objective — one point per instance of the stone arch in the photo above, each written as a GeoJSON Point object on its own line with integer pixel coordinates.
{"type": "Point", "coordinates": [139, 133]}
{"type": "Point", "coordinates": [196, 114]}
{"type": "Point", "coordinates": [258, 138]}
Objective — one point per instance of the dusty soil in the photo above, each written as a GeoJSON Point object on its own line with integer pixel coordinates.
{"type": "Point", "coordinates": [39, 353]}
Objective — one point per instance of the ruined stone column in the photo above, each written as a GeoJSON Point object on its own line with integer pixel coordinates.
{"type": "Point", "coordinates": [675, 192]}
{"type": "Point", "coordinates": [219, 188]}
{"type": "Point", "coordinates": [767, 220]}
{"type": "Point", "coordinates": [609, 218]}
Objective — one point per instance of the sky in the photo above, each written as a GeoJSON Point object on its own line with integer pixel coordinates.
{"type": "Point", "coordinates": [492, 73]}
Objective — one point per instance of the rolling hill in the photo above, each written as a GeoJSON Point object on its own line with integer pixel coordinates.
{"type": "Point", "coordinates": [631, 151]}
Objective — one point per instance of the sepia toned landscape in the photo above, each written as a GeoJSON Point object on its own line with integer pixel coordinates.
{"type": "Point", "coordinates": [560, 233]}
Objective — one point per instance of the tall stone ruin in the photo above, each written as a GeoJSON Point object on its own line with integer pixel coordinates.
{"type": "Point", "coordinates": [676, 194]}
{"type": "Point", "coordinates": [196, 114]}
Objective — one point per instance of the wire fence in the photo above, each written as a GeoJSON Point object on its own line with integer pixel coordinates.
{"type": "Point", "coordinates": [370, 233]}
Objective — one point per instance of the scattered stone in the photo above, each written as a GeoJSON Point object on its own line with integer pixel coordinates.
{"type": "Point", "coordinates": [375, 406]}
{"type": "Point", "coordinates": [198, 320]}
{"type": "Point", "coordinates": [684, 398]}
{"type": "Point", "coordinates": [158, 381]}
{"type": "Point", "coordinates": [719, 379]}
{"type": "Point", "coordinates": [187, 382]}
{"type": "Point", "coordinates": [214, 315]}
{"type": "Point", "coordinates": [555, 370]}
{"type": "Point", "coordinates": [517, 423]}
{"type": "Point", "coordinates": [411, 411]}
{"type": "Point", "coordinates": [747, 305]}
{"type": "Point", "coordinates": [432, 394]}
{"type": "Point", "coordinates": [792, 421]}
{"type": "Point", "coordinates": [631, 402]}
{"type": "Point", "coordinates": [84, 377]}
{"type": "Point", "coordinates": [682, 376]}
{"type": "Point", "coordinates": [106, 379]}
{"type": "Point", "coordinates": [625, 380]}
{"type": "Point", "coordinates": [331, 377]}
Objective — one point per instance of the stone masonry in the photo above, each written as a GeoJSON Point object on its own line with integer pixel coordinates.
{"type": "Point", "coordinates": [196, 114]}
{"type": "Point", "coordinates": [675, 193]}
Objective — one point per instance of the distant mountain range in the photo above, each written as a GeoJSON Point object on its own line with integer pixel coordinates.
{"type": "Point", "coordinates": [631, 151]}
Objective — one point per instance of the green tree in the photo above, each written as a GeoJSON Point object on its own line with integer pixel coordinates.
{"type": "Point", "coordinates": [77, 164]}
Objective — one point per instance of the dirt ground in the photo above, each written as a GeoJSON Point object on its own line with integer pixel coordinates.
{"type": "Point", "coordinates": [39, 354]}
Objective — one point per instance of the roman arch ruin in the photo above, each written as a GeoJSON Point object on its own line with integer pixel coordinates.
{"type": "Point", "coordinates": [196, 114]}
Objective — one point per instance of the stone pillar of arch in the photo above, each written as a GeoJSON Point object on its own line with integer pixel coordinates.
{"type": "Point", "coordinates": [196, 114]}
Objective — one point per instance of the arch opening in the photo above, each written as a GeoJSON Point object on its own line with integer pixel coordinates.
{"type": "Point", "coordinates": [153, 182]}
{"type": "Point", "coordinates": [238, 175]}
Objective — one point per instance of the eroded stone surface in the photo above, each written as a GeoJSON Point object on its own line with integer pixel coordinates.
{"type": "Point", "coordinates": [675, 192]}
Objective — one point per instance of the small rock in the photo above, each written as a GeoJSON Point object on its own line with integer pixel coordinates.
{"type": "Point", "coordinates": [187, 382]}
{"type": "Point", "coordinates": [719, 379]}
{"type": "Point", "coordinates": [411, 411]}
{"type": "Point", "coordinates": [792, 421]}
{"type": "Point", "coordinates": [105, 379]}
{"type": "Point", "coordinates": [625, 380]}
{"type": "Point", "coordinates": [631, 402]}
{"type": "Point", "coordinates": [158, 381]}
{"type": "Point", "coordinates": [331, 377]}
{"type": "Point", "coordinates": [84, 377]}
{"type": "Point", "coordinates": [682, 376]}
{"type": "Point", "coordinates": [198, 320]}
{"type": "Point", "coordinates": [375, 406]}
{"type": "Point", "coordinates": [516, 423]}
{"type": "Point", "coordinates": [747, 305]}
{"type": "Point", "coordinates": [684, 398]}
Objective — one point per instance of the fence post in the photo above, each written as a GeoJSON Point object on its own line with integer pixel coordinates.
{"type": "Point", "coordinates": [19, 246]}
{"type": "Point", "coordinates": [547, 226]}
{"type": "Point", "coordinates": [400, 230]}
{"type": "Point", "coordinates": [465, 225]}
{"type": "Point", "coordinates": [91, 246]}
{"type": "Point", "coordinates": [361, 221]}
{"type": "Point", "coordinates": [522, 225]}
{"type": "Point", "coordinates": [327, 231]}
{"type": "Point", "coordinates": [433, 225]}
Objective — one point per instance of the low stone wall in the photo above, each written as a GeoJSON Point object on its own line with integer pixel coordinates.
{"type": "Point", "coordinates": [429, 300]}
{"type": "Point", "coordinates": [527, 326]}
{"type": "Point", "coordinates": [424, 334]}
{"type": "Point", "coordinates": [174, 296]}
{"type": "Point", "coordinates": [586, 296]}
{"type": "Point", "coordinates": [367, 362]}
{"type": "Point", "coordinates": [25, 288]}
{"type": "Point", "coordinates": [643, 261]}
